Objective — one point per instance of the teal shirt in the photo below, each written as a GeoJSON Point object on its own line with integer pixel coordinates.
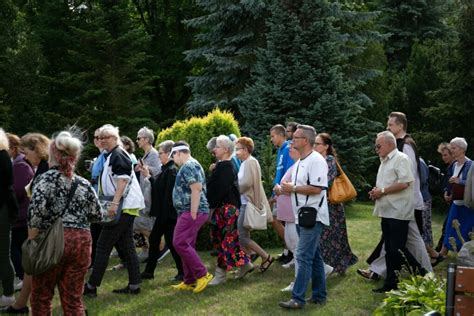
{"type": "Point", "coordinates": [190, 172]}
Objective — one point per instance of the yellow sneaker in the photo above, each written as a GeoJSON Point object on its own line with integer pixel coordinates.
{"type": "Point", "coordinates": [184, 287]}
{"type": "Point", "coordinates": [201, 283]}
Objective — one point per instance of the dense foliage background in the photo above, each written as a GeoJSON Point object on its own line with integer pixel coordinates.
{"type": "Point", "coordinates": [340, 66]}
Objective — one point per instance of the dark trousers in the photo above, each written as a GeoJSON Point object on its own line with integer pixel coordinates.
{"type": "Point", "coordinates": [419, 220]}
{"type": "Point", "coordinates": [96, 229]}
{"type": "Point", "coordinates": [19, 235]}
{"type": "Point", "coordinates": [159, 229]}
{"type": "Point", "coordinates": [395, 234]}
{"type": "Point", "coordinates": [7, 274]}
{"type": "Point", "coordinates": [121, 233]}
{"type": "Point", "coordinates": [441, 239]}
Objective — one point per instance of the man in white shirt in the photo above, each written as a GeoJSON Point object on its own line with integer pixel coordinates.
{"type": "Point", "coordinates": [393, 196]}
{"type": "Point", "coordinates": [307, 188]}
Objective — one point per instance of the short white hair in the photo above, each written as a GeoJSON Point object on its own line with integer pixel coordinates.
{"type": "Point", "coordinates": [147, 133]}
{"type": "Point", "coordinates": [225, 142]}
{"type": "Point", "coordinates": [3, 140]}
{"type": "Point", "coordinates": [459, 142]}
{"type": "Point", "coordinates": [388, 137]}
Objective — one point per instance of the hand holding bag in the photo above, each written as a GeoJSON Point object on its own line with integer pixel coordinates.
{"type": "Point", "coordinates": [47, 248]}
{"type": "Point", "coordinates": [106, 200]}
{"type": "Point", "coordinates": [342, 189]}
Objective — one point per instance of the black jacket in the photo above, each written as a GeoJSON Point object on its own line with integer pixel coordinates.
{"type": "Point", "coordinates": [223, 185]}
{"type": "Point", "coordinates": [7, 193]}
{"type": "Point", "coordinates": [162, 193]}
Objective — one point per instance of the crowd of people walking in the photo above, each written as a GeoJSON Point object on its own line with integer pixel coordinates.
{"type": "Point", "coordinates": [165, 198]}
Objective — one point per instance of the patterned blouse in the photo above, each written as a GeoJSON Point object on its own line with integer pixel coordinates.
{"type": "Point", "coordinates": [49, 200]}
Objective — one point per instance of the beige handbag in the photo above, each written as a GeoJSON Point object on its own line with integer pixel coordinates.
{"type": "Point", "coordinates": [255, 218]}
{"type": "Point", "coordinates": [342, 189]}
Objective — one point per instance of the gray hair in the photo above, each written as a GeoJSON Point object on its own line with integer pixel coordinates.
{"type": "Point", "coordinates": [460, 142]}
{"type": "Point", "coordinates": [225, 142]}
{"type": "Point", "coordinates": [388, 137]}
{"type": "Point", "coordinates": [147, 133]}
{"type": "Point", "coordinates": [211, 143]}
{"type": "Point", "coordinates": [109, 129]}
{"type": "Point", "coordinates": [166, 146]}
{"type": "Point", "coordinates": [309, 132]}
{"type": "Point", "coordinates": [3, 140]}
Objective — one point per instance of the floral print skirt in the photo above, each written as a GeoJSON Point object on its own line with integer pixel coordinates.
{"type": "Point", "coordinates": [225, 238]}
{"type": "Point", "coordinates": [335, 247]}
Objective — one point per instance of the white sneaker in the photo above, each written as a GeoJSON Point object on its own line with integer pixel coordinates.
{"type": "Point", "coordinates": [7, 300]}
{"type": "Point", "coordinates": [289, 288]}
{"type": "Point", "coordinates": [163, 255]}
{"type": "Point", "coordinates": [18, 284]}
{"type": "Point", "coordinates": [289, 264]}
{"type": "Point", "coordinates": [328, 270]}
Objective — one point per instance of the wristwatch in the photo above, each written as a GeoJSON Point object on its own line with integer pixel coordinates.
{"type": "Point", "coordinates": [294, 188]}
{"type": "Point", "coordinates": [383, 191]}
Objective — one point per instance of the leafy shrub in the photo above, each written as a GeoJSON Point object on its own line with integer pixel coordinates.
{"type": "Point", "coordinates": [416, 295]}
{"type": "Point", "coordinates": [198, 130]}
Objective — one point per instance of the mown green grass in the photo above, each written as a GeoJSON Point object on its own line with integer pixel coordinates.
{"type": "Point", "coordinates": [257, 294]}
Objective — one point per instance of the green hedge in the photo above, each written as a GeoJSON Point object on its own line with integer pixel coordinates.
{"type": "Point", "coordinates": [198, 130]}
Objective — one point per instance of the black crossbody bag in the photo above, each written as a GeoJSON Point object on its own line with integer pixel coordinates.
{"type": "Point", "coordinates": [306, 214]}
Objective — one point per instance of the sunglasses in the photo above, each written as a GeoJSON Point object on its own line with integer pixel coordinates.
{"type": "Point", "coordinates": [377, 147]}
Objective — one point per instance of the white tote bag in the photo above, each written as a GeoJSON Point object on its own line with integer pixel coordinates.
{"type": "Point", "coordinates": [255, 218]}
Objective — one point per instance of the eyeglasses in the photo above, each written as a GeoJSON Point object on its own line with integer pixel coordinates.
{"type": "Point", "coordinates": [138, 138]}
{"type": "Point", "coordinates": [377, 147]}
{"type": "Point", "coordinates": [105, 137]}
{"type": "Point", "coordinates": [96, 137]}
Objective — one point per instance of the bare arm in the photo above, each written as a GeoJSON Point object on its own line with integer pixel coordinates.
{"type": "Point", "coordinates": [121, 184]}
{"type": "Point", "coordinates": [376, 193]}
{"type": "Point", "coordinates": [196, 189]}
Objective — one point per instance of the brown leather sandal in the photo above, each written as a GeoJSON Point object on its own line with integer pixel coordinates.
{"type": "Point", "coordinates": [267, 263]}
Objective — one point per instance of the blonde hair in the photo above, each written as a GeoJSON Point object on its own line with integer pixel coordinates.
{"type": "Point", "coordinates": [3, 140]}
{"type": "Point", "coordinates": [65, 150]}
{"type": "Point", "coordinates": [38, 143]}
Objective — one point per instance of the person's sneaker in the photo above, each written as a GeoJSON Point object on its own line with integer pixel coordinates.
{"type": "Point", "coordinates": [328, 270]}
{"type": "Point", "coordinates": [288, 258]}
{"type": "Point", "coordinates": [244, 270]}
{"type": "Point", "coordinates": [310, 300]}
{"type": "Point", "coordinates": [184, 287]}
{"type": "Point", "coordinates": [289, 264]}
{"type": "Point", "coordinates": [147, 275]}
{"type": "Point", "coordinates": [7, 300]}
{"type": "Point", "coordinates": [281, 257]}
{"type": "Point", "coordinates": [289, 288]}
{"type": "Point", "coordinates": [18, 284]}
{"type": "Point", "coordinates": [163, 253]}
{"type": "Point", "coordinates": [127, 290]}
{"type": "Point", "coordinates": [119, 266]}
{"type": "Point", "coordinates": [89, 292]}
{"type": "Point", "coordinates": [202, 283]}
{"type": "Point", "coordinates": [291, 304]}
{"type": "Point", "coordinates": [13, 311]}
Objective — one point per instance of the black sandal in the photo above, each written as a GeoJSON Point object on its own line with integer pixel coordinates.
{"type": "Point", "coordinates": [437, 260]}
{"type": "Point", "coordinates": [267, 263]}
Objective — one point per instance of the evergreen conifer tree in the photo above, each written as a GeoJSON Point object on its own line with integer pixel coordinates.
{"type": "Point", "coordinates": [229, 33]}
{"type": "Point", "coordinates": [300, 75]}
{"type": "Point", "coordinates": [407, 21]}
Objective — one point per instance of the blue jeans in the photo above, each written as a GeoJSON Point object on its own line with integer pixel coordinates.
{"type": "Point", "coordinates": [310, 265]}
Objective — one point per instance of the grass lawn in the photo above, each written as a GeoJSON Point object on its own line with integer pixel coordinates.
{"type": "Point", "coordinates": [257, 294]}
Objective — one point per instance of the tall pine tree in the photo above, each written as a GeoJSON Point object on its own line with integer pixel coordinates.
{"type": "Point", "coordinates": [229, 34]}
{"type": "Point", "coordinates": [300, 75]}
